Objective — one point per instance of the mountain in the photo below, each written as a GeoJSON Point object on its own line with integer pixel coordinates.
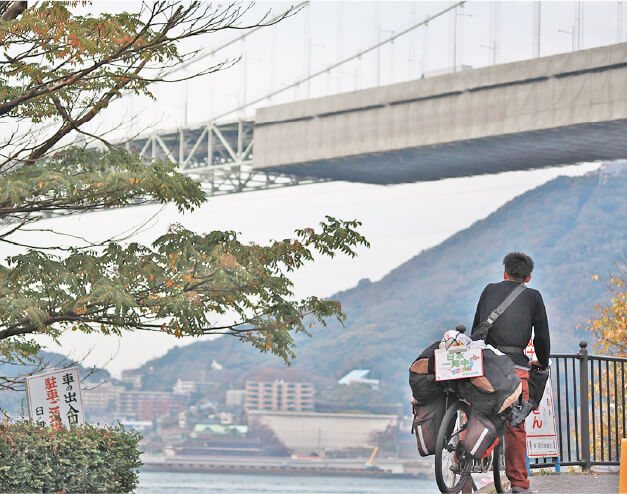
{"type": "Point", "coordinates": [573, 228]}
{"type": "Point", "coordinates": [52, 360]}
{"type": "Point", "coordinates": [15, 402]}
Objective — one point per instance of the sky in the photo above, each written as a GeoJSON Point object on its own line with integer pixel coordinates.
{"type": "Point", "coordinates": [399, 220]}
{"type": "Point", "coordinates": [325, 32]}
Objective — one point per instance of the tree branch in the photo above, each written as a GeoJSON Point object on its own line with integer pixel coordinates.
{"type": "Point", "coordinates": [13, 10]}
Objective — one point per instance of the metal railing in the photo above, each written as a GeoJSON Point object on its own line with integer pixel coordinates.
{"type": "Point", "coordinates": [589, 407]}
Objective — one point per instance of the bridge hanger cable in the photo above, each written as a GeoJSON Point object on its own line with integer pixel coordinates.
{"type": "Point", "coordinates": [296, 8]}
{"type": "Point", "coordinates": [341, 62]}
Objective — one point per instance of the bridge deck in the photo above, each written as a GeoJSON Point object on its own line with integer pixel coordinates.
{"type": "Point", "coordinates": [554, 110]}
{"type": "Point", "coordinates": [522, 151]}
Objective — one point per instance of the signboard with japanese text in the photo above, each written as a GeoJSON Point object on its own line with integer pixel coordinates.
{"type": "Point", "coordinates": [54, 398]}
{"type": "Point", "coordinates": [458, 363]}
{"type": "Point", "coordinates": [540, 424]}
{"type": "Point", "coordinates": [540, 427]}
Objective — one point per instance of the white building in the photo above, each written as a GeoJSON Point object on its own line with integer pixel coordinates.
{"type": "Point", "coordinates": [306, 432]}
{"type": "Point", "coordinates": [358, 376]}
{"type": "Point", "coordinates": [184, 387]}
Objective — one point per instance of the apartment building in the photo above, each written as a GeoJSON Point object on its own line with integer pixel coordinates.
{"type": "Point", "coordinates": [148, 405]}
{"type": "Point", "coordinates": [101, 397]}
{"type": "Point", "coordinates": [280, 396]}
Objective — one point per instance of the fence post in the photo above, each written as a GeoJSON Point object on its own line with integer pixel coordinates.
{"type": "Point", "coordinates": [583, 400]}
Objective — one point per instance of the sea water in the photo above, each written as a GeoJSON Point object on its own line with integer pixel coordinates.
{"type": "Point", "coordinates": [151, 482]}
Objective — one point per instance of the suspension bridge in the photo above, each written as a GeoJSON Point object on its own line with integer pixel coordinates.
{"type": "Point", "coordinates": [545, 111]}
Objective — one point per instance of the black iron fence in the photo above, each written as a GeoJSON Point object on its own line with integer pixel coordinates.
{"type": "Point", "coordinates": [589, 406]}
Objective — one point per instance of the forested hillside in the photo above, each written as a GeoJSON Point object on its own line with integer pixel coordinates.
{"type": "Point", "coordinates": [573, 227]}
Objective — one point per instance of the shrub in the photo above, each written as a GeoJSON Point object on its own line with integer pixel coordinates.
{"type": "Point", "coordinates": [81, 459]}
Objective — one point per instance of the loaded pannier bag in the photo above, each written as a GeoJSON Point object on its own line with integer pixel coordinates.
{"type": "Point", "coordinates": [480, 436]}
{"type": "Point", "coordinates": [428, 400]}
{"type": "Point", "coordinates": [427, 420]}
{"type": "Point", "coordinates": [498, 388]}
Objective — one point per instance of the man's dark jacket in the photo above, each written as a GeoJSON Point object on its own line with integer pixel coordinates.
{"type": "Point", "coordinates": [513, 327]}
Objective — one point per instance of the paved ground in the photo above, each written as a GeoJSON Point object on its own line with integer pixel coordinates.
{"type": "Point", "coordinates": [589, 483]}
{"type": "Point", "coordinates": [567, 483]}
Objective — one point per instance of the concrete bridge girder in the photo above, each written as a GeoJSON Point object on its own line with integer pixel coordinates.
{"type": "Point", "coordinates": [549, 111]}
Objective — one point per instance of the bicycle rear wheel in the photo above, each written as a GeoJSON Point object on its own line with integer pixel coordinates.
{"type": "Point", "coordinates": [452, 464]}
{"type": "Point", "coordinates": [498, 466]}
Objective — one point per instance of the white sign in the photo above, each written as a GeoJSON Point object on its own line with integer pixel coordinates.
{"type": "Point", "coordinates": [54, 398]}
{"type": "Point", "coordinates": [540, 427]}
{"type": "Point", "coordinates": [540, 424]}
{"type": "Point", "coordinates": [458, 363]}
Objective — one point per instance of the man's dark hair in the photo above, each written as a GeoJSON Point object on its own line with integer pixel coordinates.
{"type": "Point", "coordinates": [518, 265]}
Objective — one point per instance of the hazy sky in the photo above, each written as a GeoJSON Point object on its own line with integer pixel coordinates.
{"type": "Point", "coordinates": [324, 33]}
{"type": "Point", "coordinates": [399, 220]}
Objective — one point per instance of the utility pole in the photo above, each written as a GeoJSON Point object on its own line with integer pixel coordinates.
{"type": "Point", "coordinates": [211, 90]}
{"type": "Point", "coordinates": [378, 27]}
{"type": "Point", "coordinates": [495, 30]}
{"type": "Point", "coordinates": [537, 28]}
{"type": "Point", "coordinates": [310, 46]}
{"type": "Point", "coordinates": [390, 71]}
{"type": "Point", "coordinates": [460, 35]}
{"type": "Point", "coordinates": [308, 51]}
{"type": "Point", "coordinates": [572, 37]}
{"type": "Point", "coordinates": [244, 85]}
{"type": "Point", "coordinates": [619, 21]}
{"type": "Point", "coordinates": [412, 44]}
{"type": "Point", "coordinates": [185, 119]}
{"type": "Point", "coordinates": [425, 49]}
{"type": "Point", "coordinates": [578, 25]}
{"type": "Point", "coordinates": [453, 39]}
{"type": "Point", "coordinates": [272, 59]}
{"type": "Point", "coordinates": [308, 58]}
{"type": "Point", "coordinates": [340, 39]}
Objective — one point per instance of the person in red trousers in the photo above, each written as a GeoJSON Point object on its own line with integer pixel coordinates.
{"type": "Point", "coordinates": [511, 334]}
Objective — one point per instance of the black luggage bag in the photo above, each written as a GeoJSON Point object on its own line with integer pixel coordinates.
{"type": "Point", "coordinates": [426, 424]}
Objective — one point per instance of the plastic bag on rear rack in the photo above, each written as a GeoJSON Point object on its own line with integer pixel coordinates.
{"type": "Point", "coordinates": [422, 381]}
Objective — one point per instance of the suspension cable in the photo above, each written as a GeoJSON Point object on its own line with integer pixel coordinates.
{"type": "Point", "coordinates": [341, 62]}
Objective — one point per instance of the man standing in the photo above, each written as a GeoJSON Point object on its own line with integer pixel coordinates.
{"type": "Point", "coordinates": [511, 333]}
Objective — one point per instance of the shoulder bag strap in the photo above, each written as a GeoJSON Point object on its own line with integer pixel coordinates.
{"type": "Point", "coordinates": [494, 315]}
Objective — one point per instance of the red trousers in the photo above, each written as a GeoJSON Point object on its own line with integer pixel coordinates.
{"type": "Point", "coordinates": [516, 444]}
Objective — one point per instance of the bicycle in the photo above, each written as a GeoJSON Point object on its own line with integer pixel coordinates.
{"type": "Point", "coordinates": [453, 465]}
